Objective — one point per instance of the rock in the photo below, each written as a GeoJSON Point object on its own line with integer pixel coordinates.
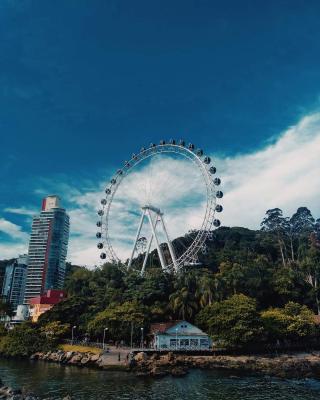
{"type": "Point", "coordinates": [178, 371]}
{"type": "Point", "coordinates": [158, 372]}
{"type": "Point", "coordinates": [103, 360]}
{"type": "Point", "coordinates": [76, 359]}
{"type": "Point", "coordinates": [141, 356]}
{"type": "Point", "coordinates": [85, 359]}
{"type": "Point", "coordinates": [94, 358]}
{"type": "Point", "coordinates": [170, 356]}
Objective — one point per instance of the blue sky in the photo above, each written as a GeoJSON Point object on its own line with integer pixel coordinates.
{"type": "Point", "coordinates": [83, 84]}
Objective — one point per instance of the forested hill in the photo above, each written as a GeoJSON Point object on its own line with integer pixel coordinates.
{"type": "Point", "coordinates": [251, 287]}
{"type": "Point", "coordinates": [247, 279]}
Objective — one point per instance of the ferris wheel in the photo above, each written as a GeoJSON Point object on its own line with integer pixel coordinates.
{"type": "Point", "coordinates": [152, 219]}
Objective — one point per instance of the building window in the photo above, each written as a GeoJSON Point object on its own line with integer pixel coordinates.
{"type": "Point", "coordinates": [204, 343]}
{"type": "Point", "coordinates": [173, 343]}
{"type": "Point", "coordinates": [184, 342]}
{"type": "Point", "coordinates": [194, 343]}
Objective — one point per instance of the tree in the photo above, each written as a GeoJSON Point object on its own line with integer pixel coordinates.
{"type": "Point", "coordinates": [301, 224]}
{"type": "Point", "coordinates": [206, 288]}
{"type": "Point", "coordinates": [24, 340]}
{"type": "Point", "coordinates": [293, 322]}
{"type": "Point", "coordinates": [233, 322]}
{"type": "Point", "coordinates": [183, 303]}
{"type": "Point", "coordinates": [310, 268]}
{"type": "Point", "coordinates": [275, 223]}
{"type": "Point", "coordinates": [55, 330]}
{"type": "Point", "coordinates": [119, 319]}
{"type": "Point", "coordinates": [6, 309]}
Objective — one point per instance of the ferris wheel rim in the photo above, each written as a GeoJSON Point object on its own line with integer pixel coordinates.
{"type": "Point", "coordinates": [211, 195]}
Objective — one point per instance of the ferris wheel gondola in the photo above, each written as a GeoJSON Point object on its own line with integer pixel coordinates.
{"type": "Point", "coordinates": [171, 259]}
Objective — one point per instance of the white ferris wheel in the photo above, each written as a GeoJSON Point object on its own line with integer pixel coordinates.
{"type": "Point", "coordinates": [149, 211]}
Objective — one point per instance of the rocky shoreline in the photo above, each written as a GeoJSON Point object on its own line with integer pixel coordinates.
{"type": "Point", "coordinates": [9, 393]}
{"type": "Point", "coordinates": [299, 365]}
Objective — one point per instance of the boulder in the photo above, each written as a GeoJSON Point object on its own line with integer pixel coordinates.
{"type": "Point", "coordinates": [94, 358]}
{"type": "Point", "coordinates": [76, 358]}
{"type": "Point", "coordinates": [158, 372]}
{"type": "Point", "coordinates": [141, 356]}
{"type": "Point", "coordinates": [85, 359]}
{"type": "Point", "coordinates": [170, 356]}
{"type": "Point", "coordinates": [178, 371]}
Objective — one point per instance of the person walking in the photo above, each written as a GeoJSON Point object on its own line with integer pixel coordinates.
{"type": "Point", "coordinates": [119, 357]}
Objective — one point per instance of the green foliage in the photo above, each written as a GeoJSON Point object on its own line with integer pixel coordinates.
{"type": "Point", "coordinates": [293, 322]}
{"type": "Point", "coordinates": [267, 268]}
{"type": "Point", "coordinates": [55, 330]}
{"type": "Point", "coordinates": [118, 320]}
{"type": "Point", "coordinates": [6, 309]}
{"type": "Point", "coordinates": [24, 340]}
{"type": "Point", "coordinates": [233, 322]}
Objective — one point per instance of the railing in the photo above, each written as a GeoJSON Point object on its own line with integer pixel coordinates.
{"type": "Point", "coordinates": [84, 343]}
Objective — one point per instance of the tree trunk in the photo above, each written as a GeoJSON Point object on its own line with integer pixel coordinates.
{"type": "Point", "coordinates": [316, 294]}
{"type": "Point", "coordinates": [292, 251]}
{"type": "Point", "coordinates": [282, 254]}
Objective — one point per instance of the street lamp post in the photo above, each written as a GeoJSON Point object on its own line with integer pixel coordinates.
{"type": "Point", "coordinates": [74, 327]}
{"type": "Point", "coordinates": [141, 338]}
{"type": "Point", "coordinates": [176, 338]}
{"type": "Point", "coordinates": [104, 336]}
{"type": "Point", "coordinates": [131, 336]}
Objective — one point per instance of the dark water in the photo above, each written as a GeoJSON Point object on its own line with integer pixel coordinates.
{"type": "Point", "coordinates": [84, 384]}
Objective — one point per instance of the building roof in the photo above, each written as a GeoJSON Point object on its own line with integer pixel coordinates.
{"type": "Point", "coordinates": [174, 328]}
{"type": "Point", "coordinates": [50, 297]}
{"type": "Point", "coordinates": [162, 327]}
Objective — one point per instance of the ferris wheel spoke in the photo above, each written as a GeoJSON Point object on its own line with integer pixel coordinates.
{"type": "Point", "coordinates": [160, 252]}
{"type": "Point", "coordinates": [137, 237]}
{"type": "Point", "coordinates": [148, 249]}
{"type": "Point", "coordinates": [172, 256]}
{"type": "Point", "coordinates": [171, 249]}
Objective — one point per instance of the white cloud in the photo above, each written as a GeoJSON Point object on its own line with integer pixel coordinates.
{"type": "Point", "coordinates": [284, 174]}
{"type": "Point", "coordinates": [11, 250]}
{"type": "Point", "coordinates": [20, 211]}
{"type": "Point", "coordinates": [16, 243]}
{"type": "Point", "coordinates": [12, 230]}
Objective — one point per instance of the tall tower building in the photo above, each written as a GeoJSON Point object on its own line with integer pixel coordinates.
{"type": "Point", "coordinates": [19, 281]}
{"type": "Point", "coordinates": [14, 281]}
{"type": "Point", "coordinates": [47, 249]}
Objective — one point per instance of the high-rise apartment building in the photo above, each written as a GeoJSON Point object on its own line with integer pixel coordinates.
{"type": "Point", "coordinates": [47, 249]}
{"type": "Point", "coordinates": [14, 281]}
{"type": "Point", "coordinates": [19, 281]}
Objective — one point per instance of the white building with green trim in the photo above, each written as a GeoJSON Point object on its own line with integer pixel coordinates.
{"type": "Point", "coordinates": [179, 335]}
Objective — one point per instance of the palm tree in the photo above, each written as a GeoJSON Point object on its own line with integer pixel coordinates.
{"type": "Point", "coordinates": [206, 289]}
{"type": "Point", "coordinates": [183, 303]}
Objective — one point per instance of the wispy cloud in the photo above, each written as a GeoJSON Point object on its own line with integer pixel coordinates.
{"type": "Point", "coordinates": [283, 174]}
{"type": "Point", "coordinates": [13, 241]}
{"type": "Point", "coordinates": [12, 230]}
{"type": "Point", "coordinates": [20, 211]}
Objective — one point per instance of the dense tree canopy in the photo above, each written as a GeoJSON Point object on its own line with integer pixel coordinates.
{"type": "Point", "coordinates": [246, 289]}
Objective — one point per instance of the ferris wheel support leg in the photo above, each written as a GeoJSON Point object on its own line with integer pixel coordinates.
{"type": "Point", "coordinates": [148, 251]}
{"type": "Point", "coordinates": [171, 249]}
{"type": "Point", "coordinates": [162, 261]}
{"type": "Point", "coordinates": [136, 239]}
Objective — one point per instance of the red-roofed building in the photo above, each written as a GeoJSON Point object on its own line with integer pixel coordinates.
{"type": "Point", "coordinates": [41, 304]}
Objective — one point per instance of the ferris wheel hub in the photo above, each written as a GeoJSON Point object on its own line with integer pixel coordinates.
{"type": "Point", "coordinates": [151, 208]}
{"type": "Point", "coordinates": [180, 256]}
